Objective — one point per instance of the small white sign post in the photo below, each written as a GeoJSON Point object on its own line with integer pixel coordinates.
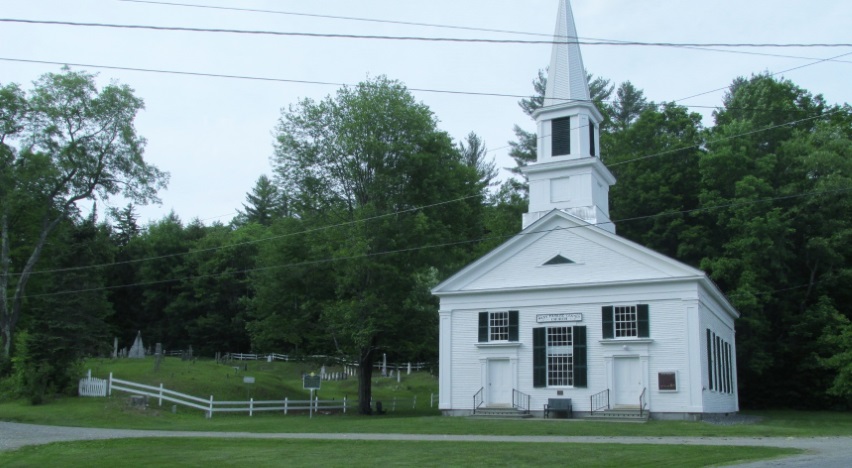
{"type": "Point", "coordinates": [311, 382]}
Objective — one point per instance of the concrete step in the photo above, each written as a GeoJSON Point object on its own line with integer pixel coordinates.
{"type": "Point", "coordinates": [619, 414]}
{"type": "Point", "coordinates": [500, 413]}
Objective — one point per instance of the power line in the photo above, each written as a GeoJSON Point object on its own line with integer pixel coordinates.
{"type": "Point", "coordinates": [415, 38]}
{"type": "Point", "coordinates": [443, 26]}
{"type": "Point", "coordinates": [256, 241]}
{"type": "Point", "coordinates": [442, 245]}
{"type": "Point", "coordinates": [321, 83]}
{"type": "Point", "coordinates": [830, 59]}
{"type": "Point", "coordinates": [718, 140]}
{"type": "Point", "coordinates": [662, 153]}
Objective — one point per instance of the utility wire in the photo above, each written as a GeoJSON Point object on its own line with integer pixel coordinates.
{"type": "Point", "coordinates": [395, 213]}
{"type": "Point", "coordinates": [718, 140]}
{"type": "Point", "coordinates": [442, 26]}
{"type": "Point", "coordinates": [442, 245]}
{"type": "Point", "coordinates": [830, 59]}
{"type": "Point", "coordinates": [321, 83]}
{"type": "Point", "coordinates": [255, 241]}
{"type": "Point", "coordinates": [415, 38]}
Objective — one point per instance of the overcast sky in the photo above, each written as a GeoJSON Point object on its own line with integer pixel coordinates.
{"type": "Point", "coordinates": [214, 135]}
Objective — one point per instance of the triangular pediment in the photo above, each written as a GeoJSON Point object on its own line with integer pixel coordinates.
{"type": "Point", "coordinates": [594, 257]}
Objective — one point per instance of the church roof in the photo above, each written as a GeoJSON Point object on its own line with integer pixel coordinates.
{"type": "Point", "coordinates": [596, 258]}
{"type": "Point", "coordinates": [566, 76]}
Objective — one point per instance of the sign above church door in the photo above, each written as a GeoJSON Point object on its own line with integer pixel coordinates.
{"type": "Point", "coordinates": [549, 318]}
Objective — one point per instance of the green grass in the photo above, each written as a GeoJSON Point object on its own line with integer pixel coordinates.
{"type": "Point", "coordinates": [114, 413]}
{"type": "Point", "coordinates": [279, 380]}
{"type": "Point", "coordinates": [273, 381]}
{"type": "Point", "coordinates": [249, 452]}
{"type": "Point", "coordinates": [276, 380]}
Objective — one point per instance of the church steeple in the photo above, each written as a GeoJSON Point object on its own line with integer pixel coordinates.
{"type": "Point", "coordinates": [566, 76]}
{"type": "Point", "coordinates": [568, 174]}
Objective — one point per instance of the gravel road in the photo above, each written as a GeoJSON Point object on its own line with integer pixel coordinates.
{"type": "Point", "coordinates": [825, 452]}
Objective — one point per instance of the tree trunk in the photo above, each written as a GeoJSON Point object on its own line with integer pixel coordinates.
{"type": "Point", "coordinates": [9, 316]}
{"type": "Point", "coordinates": [5, 330]}
{"type": "Point", "coordinates": [365, 375]}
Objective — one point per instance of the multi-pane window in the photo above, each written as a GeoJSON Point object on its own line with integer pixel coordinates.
{"type": "Point", "coordinates": [498, 326]}
{"type": "Point", "coordinates": [631, 321]}
{"type": "Point", "coordinates": [625, 321]}
{"type": "Point", "coordinates": [560, 356]}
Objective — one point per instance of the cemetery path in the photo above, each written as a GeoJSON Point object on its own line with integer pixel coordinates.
{"type": "Point", "coordinates": [826, 452]}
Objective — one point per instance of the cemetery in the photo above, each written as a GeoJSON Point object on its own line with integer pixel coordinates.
{"type": "Point", "coordinates": [151, 378]}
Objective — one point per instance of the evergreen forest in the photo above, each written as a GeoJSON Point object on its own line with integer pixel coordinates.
{"type": "Point", "coordinates": [368, 205]}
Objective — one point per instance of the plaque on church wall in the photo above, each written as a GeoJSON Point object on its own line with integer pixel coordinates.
{"type": "Point", "coordinates": [549, 318]}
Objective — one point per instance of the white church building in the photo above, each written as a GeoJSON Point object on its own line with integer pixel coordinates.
{"type": "Point", "coordinates": [567, 309]}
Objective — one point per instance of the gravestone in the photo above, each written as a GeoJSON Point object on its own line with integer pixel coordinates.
{"type": "Point", "coordinates": [115, 348]}
{"type": "Point", "coordinates": [158, 356]}
{"type": "Point", "coordinates": [137, 351]}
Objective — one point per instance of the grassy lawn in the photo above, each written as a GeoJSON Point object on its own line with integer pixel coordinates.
{"type": "Point", "coordinates": [273, 381]}
{"type": "Point", "coordinates": [279, 380]}
{"type": "Point", "coordinates": [115, 413]}
{"type": "Point", "coordinates": [200, 452]}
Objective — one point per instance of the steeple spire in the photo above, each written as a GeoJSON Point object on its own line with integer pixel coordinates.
{"type": "Point", "coordinates": [566, 76]}
{"type": "Point", "coordinates": [568, 174]}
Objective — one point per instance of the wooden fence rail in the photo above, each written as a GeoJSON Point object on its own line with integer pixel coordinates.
{"type": "Point", "coordinates": [210, 406]}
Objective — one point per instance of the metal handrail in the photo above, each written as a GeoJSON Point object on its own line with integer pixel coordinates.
{"type": "Point", "coordinates": [599, 401]}
{"type": "Point", "coordinates": [520, 401]}
{"type": "Point", "coordinates": [642, 401]}
{"type": "Point", "coordinates": [478, 397]}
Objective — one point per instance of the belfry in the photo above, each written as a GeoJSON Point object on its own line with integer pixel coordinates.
{"type": "Point", "coordinates": [568, 173]}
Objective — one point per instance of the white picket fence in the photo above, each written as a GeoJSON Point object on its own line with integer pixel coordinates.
{"type": "Point", "coordinates": [89, 387]}
{"type": "Point", "coordinates": [416, 366]}
{"type": "Point", "coordinates": [93, 387]}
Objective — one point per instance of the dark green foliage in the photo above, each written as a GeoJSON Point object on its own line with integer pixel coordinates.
{"type": "Point", "coordinates": [629, 103]}
{"type": "Point", "coordinates": [68, 321]}
{"type": "Point", "coordinates": [77, 142]}
{"type": "Point", "coordinates": [655, 191]}
{"type": "Point", "coordinates": [365, 160]}
{"type": "Point", "coordinates": [781, 246]}
{"type": "Point", "coordinates": [265, 204]}
{"type": "Point", "coordinates": [473, 153]}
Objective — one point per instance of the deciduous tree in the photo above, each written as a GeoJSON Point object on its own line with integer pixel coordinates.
{"type": "Point", "coordinates": [367, 159]}
{"type": "Point", "coordinates": [77, 142]}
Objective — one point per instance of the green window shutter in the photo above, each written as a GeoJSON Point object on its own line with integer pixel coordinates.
{"type": "Point", "coordinates": [709, 360]}
{"type": "Point", "coordinates": [730, 375]}
{"type": "Point", "coordinates": [643, 324]}
{"type": "Point", "coordinates": [483, 327]}
{"type": "Point", "coordinates": [560, 137]}
{"type": "Point", "coordinates": [513, 325]}
{"type": "Point", "coordinates": [719, 377]}
{"type": "Point", "coordinates": [607, 312]}
{"type": "Point", "coordinates": [539, 357]}
{"type": "Point", "coordinates": [580, 367]}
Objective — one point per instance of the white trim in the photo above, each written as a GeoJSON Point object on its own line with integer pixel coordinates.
{"type": "Point", "coordinates": [498, 344]}
{"type": "Point", "coordinates": [627, 340]}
